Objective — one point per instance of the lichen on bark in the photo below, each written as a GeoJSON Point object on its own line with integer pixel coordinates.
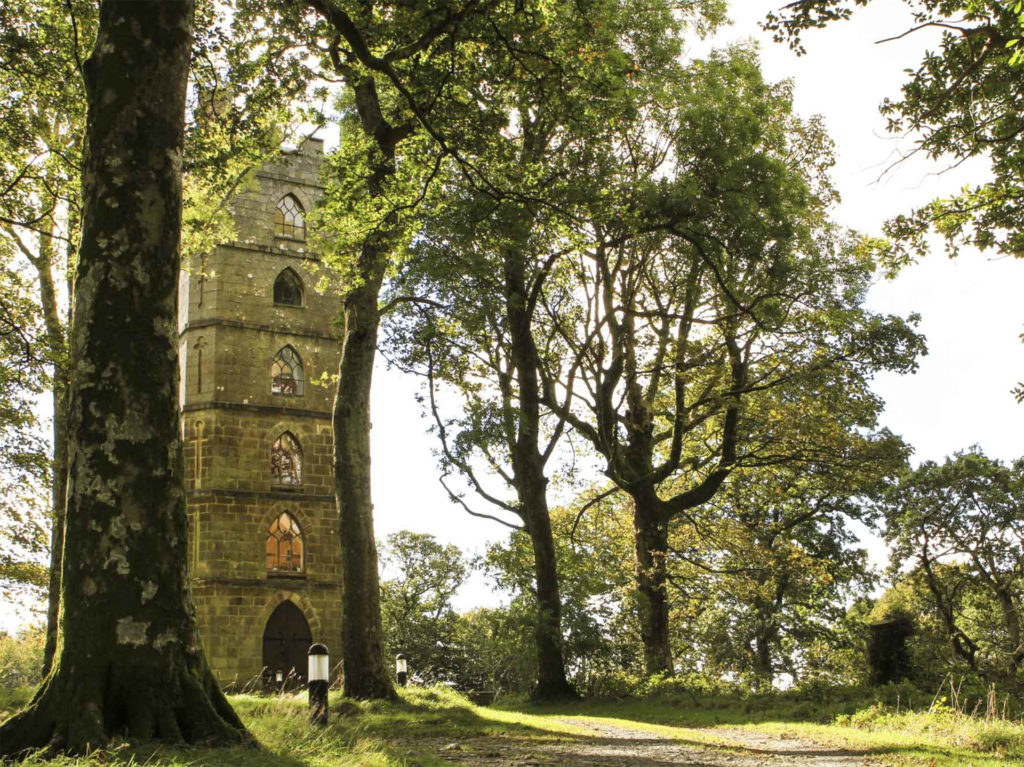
{"type": "Point", "coordinates": [128, 661]}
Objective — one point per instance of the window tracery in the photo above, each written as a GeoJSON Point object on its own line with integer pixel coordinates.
{"type": "Point", "coordinates": [286, 373]}
{"type": "Point", "coordinates": [284, 545]}
{"type": "Point", "coordinates": [288, 289]}
{"type": "Point", "coordinates": [286, 461]}
{"type": "Point", "coordinates": [290, 219]}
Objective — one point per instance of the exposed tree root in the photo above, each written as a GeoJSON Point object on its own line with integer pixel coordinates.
{"type": "Point", "coordinates": [78, 713]}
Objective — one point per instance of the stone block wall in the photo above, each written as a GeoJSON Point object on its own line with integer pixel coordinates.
{"type": "Point", "coordinates": [230, 331]}
{"type": "Point", "coordinates": [236, 655]}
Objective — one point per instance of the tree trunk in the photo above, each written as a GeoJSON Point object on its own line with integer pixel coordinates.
{"type": "Point", "coordinates": [960, 644]}
{"type": "Point", "coordinates": [650, 537]}
{"type": "Point", "coordinates": [128, 658]}
{"type": "Point", "coordinates": [528, 470]}
{"type": "Point", "coordinates": [763, 666]}
{"type": "Point", "coordinates": [1011, 620]}
{"type": "Point", "coordinates": [55, 336]}
{"type": "Point", "coordinates": [551, 681]}
{"type": "Point", "coordinates": [362, 638]}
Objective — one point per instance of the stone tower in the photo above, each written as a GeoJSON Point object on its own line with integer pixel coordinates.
{"type": "Point", "coordinates": [256, 329]}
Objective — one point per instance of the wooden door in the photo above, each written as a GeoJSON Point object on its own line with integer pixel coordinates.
{"type": "Point", "coordinates": [286, 640]}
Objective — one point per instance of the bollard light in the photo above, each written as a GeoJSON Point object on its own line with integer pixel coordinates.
{"type": "Point", "coordinates": [319, 679]}
{"type": "Point", "coordinates": [401, 669]}
{"type": "Point", "coordinates": [279, 676]}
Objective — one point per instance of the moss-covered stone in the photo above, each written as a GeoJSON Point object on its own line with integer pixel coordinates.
{"type": "Point", "coordinates": [230, 331]}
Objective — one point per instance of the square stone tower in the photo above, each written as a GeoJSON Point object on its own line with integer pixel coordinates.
{"type": "Point", "coordinates": [256, 329]}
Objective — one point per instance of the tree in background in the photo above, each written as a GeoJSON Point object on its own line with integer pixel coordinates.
{"type": "Point", "coordinates": [496, 645]}
{"type": "Point", "coordinates": [718, 279]}
{"type": "Point", "coordinates": [416, 605]}
{"type": "Point", "coordinates": [128, 657]}
{"type": "Point", "coordinates": [771, 563]}
{"type": "Point", "coordinates": [554, 100]}
{"type": "Point", "coordinates": [599, 618]}
{"type": "Point", "coordinates": [964, 100]}
{"type": "Point", "coordinates": [962, 525]}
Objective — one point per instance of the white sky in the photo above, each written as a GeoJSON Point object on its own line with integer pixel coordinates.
{"type": "Point", "coordinates": [970, 307]}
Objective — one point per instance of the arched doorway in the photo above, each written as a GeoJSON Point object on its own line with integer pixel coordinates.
{"type": "Point", "coordinates": [286, 639]}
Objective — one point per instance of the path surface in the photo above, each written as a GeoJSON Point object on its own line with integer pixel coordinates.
{"type": "Point", "coordinates": [616, 746]}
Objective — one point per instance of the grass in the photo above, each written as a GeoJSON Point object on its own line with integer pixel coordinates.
{"type": "Point", "coordinates": [414, 731]}
{"type": "Point", "coordinates": [940, 737]}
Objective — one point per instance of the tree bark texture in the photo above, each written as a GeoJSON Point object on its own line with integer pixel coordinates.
{"type": "Point", "coordinates": [650, 538]}
{"type": "Point", "coordinates": [551, 680]}
{"type": "Point", "coordinates": [128, 659]}
{"type": "Point", "coordinates": [763, 665]}
{"type": "Point", "coordinates": [362, 637]}
{"type": "Point", "coordinates": [531, 485]}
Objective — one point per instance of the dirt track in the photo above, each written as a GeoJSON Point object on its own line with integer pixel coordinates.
{"type": "Point", "coordinates": [615, 746]}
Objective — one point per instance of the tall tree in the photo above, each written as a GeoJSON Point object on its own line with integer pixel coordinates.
{"type": "Point", "coordinates": [720, 278]}
{"type": "Point", "coordinates": [41, 147]}
{"type": "Point", "coordinates": [555, 95]}
{"type": "Point", "coordinates": [128, 657]}
{"type": "Point", "coordinates": [40, 150]}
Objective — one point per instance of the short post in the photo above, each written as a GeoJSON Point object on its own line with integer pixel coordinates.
{"type": "Point", "coordinates": [319, 680]}
{"type": "Point", "coordinates": [401, 669]}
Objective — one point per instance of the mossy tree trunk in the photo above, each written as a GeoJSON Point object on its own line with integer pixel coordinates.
{"type": "Point", "coordinates": [650, 540]}
{"type": "Point", "coordinates": [366, 674]}
{"type": "Point", "coordinates": [362, 637]}
{"type": "Point", "coordinates": [56, 340]}
{"type": "Point", "coordinates": [128, 659]}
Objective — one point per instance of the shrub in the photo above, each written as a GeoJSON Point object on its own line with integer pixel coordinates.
{"type": "Point", "coordinates": [21, 658]}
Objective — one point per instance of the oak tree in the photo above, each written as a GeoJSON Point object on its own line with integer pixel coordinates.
{"type": "Point", "coordinates": [718, 279]}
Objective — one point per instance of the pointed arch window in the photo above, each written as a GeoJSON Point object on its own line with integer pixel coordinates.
{"type": "Point", "coordinates": [288, 289]}
{"type": "Point", "coordinates": [286, 373]}
{"type": "Point", "coordinates": [286, 461]}
{"type": "Point", "coordinates": [290, 218]}
{"type": "Point", "coordinates": [284, 545]}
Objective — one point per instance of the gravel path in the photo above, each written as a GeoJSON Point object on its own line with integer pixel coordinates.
{"type": "Point", "coordinates": [616, 746]}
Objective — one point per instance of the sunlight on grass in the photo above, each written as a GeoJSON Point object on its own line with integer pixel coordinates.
{"type": "Point", "coordinates": [418, 728]}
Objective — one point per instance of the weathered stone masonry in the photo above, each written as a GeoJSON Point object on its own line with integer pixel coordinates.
{"type": "Point", "coordinates": [230, 331]}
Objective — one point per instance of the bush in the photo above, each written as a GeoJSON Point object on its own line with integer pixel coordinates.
{"type": "Point", "coordinates": [21, 658]}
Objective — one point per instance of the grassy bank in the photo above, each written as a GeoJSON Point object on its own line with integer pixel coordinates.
{"type": "Point", "coordinates": [427, 724]}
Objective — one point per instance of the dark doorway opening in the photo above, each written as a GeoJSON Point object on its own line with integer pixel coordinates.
{"type": "Point", "coordinates": [286, 640]}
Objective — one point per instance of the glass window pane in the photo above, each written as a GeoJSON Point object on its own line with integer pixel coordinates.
{"type": "Point", "coordinates": [289, 219]}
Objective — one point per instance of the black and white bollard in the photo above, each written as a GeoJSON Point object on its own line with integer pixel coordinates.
{"type": "Point", "coordinates": [401, 669]}
{"type": "Point", "coordinates": [319, 680]}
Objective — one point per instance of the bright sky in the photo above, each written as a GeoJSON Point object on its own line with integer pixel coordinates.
{"type": "Point", "coordinates": [969, 307]}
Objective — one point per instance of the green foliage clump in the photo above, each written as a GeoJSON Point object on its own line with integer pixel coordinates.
{"type": "Point", "coordinates": [21, 659]}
